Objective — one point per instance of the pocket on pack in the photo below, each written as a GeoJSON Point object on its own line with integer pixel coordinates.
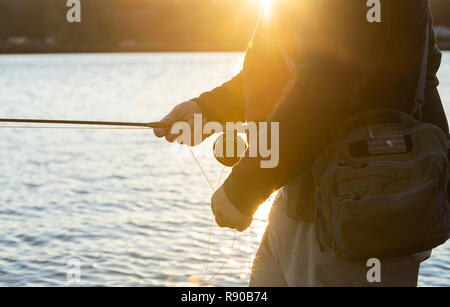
{"type": "Point", "coordinates": [402, 223]}
{"type": "Point", "coordinates": [385, 177]}
{"type": "Point", "coordinates": [381, 190]}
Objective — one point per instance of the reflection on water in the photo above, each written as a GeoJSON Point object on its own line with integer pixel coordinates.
{"type": "Point", "coordinates": [118, 200]}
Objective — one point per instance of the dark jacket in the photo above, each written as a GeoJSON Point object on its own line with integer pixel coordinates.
{"type": "Point", "coordinates": [344, 65]}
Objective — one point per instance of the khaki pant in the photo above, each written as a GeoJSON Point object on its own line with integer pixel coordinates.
{"type": "Point", "coordinates": [290, 255]}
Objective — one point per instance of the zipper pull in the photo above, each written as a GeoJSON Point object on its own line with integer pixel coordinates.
{"type": "Point", "coordinates": [349, 196]}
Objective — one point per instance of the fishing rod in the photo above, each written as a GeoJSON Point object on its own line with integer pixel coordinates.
{"type": "Point", "coordinates": [83, 122]}
{"type": "Point", "coordinates": [152, 125]}
{"type": "Point", "coordinates": [218, 148]}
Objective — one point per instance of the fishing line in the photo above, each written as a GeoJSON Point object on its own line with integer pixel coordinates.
{"type": "Point", "coordinates": [211, 224]}
{"type": "Point", "coordinates": [260, 13]}
{"type": "Point", "coordinates": [135, 126]}
{"type": "Point", "coordinates": [76, 128]}
{"type": "Point", "coordinates": [82, 122]}
{"type": "Point", "coordinates": [201, 168]}
{"type": "Point", "coordinates": [124, 126]}
{"type": "Point", "coordinates": [226, 259]}
{"type": "Point", "coordinates": [138, 126]}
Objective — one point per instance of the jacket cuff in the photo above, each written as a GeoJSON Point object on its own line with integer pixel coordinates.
{"type": "Point", "coordinates": [247, 191]}
{"type": "Point", "coordinates": [204, 102]}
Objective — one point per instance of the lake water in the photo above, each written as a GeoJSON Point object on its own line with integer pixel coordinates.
{"type": "Point", "coordinates": [120, 203]}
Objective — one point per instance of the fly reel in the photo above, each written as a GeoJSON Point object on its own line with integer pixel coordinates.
{"type": "Point", "coordinates": [229, 148]}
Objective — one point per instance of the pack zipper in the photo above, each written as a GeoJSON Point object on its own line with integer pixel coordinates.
{"type": "Point", "coordinates": [392, 196]}
{"type": "Point", "coordinates": [399, 164]}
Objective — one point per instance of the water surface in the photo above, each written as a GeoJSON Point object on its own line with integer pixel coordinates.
{"type": "Point", "coordinates": [119, 201]}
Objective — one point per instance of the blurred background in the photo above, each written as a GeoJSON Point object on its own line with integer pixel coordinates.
{"type": "Point", "coordinates": [128, 208]}
{"type": "Point", "coordinates": [127, 25]}
{"type": "Point", "coordinates": [144, 25]}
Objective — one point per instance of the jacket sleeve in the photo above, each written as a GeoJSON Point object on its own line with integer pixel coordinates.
{"type": "Point", "coordinates": [433, 110]}
{"type": "Point", "coordinates": [224, 103]}
{"type": "Point", "coordinates": [341, 52]}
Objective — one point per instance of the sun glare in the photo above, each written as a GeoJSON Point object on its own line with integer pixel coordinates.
{"type": "Point", "coordinates": [266, 6]}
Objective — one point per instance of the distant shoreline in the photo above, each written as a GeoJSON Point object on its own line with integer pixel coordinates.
{"type": "Point", "coordinates": [444, 46]}
{"type": "Point", "coordinates": [23, 45]}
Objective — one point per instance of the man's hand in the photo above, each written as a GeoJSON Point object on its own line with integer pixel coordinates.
{"type": "Point", "coordinates": [183, 112]}
{"type": "Point", "coordinates": [226, 214]}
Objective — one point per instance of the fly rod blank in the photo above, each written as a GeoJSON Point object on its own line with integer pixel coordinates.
{"type": "Point", "coordinates": [82, 122]}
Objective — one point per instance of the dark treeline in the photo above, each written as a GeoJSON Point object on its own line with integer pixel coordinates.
{"type": "Point", "coordinates": [127, 25]}
{"type": "Point", "coordinates": [137, 25]}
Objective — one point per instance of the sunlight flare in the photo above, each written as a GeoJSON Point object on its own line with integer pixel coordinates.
{"type": "Point", "coordinates": [266, 7]}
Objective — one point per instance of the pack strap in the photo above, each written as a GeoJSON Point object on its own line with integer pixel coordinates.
{"type": "Point", "coordinates": [422, 84]}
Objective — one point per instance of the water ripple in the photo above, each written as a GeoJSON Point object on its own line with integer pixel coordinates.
{"type": "Point", "coordinates": [119, 202]}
